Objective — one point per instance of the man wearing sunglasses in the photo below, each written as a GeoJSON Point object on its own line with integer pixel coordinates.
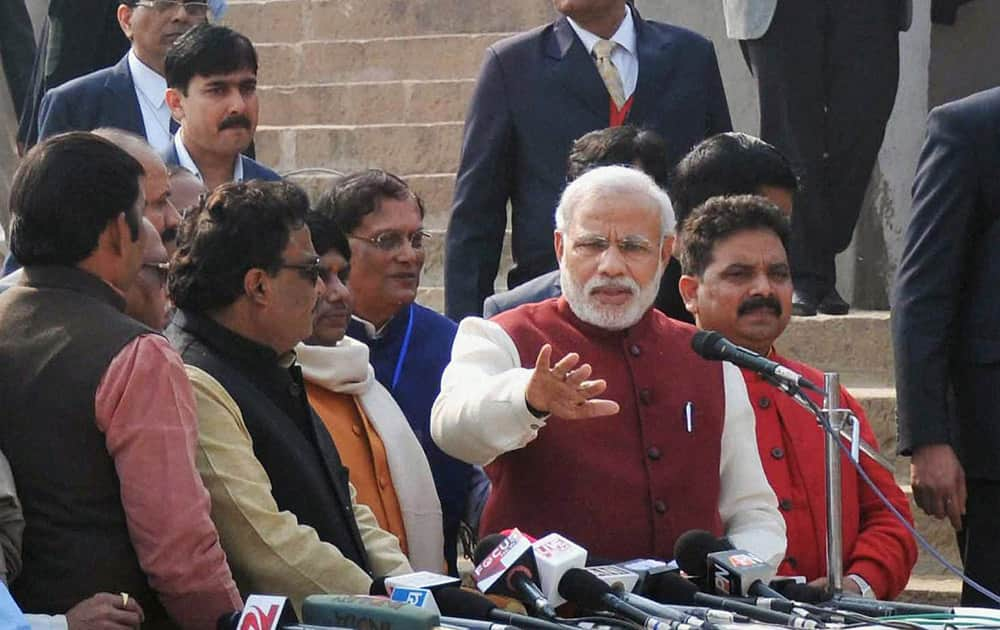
{"type": "Point", "coordinates": [246, 280]}
{"type": "Point", "coordinates": [130, 94]}
{"type": "Point", "coordinates": [410, 345]}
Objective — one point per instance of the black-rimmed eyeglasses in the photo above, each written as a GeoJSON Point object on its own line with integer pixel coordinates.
{"type": "Point", "coordinates": [311, 271]}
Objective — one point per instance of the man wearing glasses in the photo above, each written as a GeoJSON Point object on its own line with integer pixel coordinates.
{"type": "Point", "coordinates": [410, 345]}
{"type": "Point", "coordinates": [130, 94]}
{"type": "Point", "coordinates": [246, 280]}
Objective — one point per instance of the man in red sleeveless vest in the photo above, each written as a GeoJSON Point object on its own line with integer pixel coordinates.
{"type": "Point", "coordinates": [664, 448]}
{"type": "Point", "coordinates": [737, 282]}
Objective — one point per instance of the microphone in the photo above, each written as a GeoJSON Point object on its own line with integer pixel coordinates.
{"type": "Point", "coordinates": [677, 590]}
{"type": "Point", "coordinates": [584, 589]}
{"type": "Point", "coordinates": [456, 602]}
{"type": "Point", "coordinates": [730, 572]}
{"type": "Point", "coordinates": [261, 612]}
{"type": "Point", "coordinates": [419, 579]}
{"type": "Point", "coordinates": [859, 605]}
{"type": "Point", "coordinates": [711, 345]}
{"type": "Point", "coordinates": [511, 555]}
{"type": "Point", "coordinates": [554, 556]}
{"type": "Point", "coordinates": [692, 548]}
{"type": "Point", "coordinates": [364, 611]}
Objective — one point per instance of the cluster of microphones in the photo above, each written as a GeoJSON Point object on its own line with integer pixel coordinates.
{"type": "Point", "coordinates": [709, 585]}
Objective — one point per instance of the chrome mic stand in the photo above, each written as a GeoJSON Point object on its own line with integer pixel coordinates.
{"type": "Point", "coordinates": [833, 420]}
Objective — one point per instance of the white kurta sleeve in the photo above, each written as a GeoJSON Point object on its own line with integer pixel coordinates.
{"type": "Point", "coordinates": [747, 504]}
{"type": "Point", "coordinates": [481, 412]}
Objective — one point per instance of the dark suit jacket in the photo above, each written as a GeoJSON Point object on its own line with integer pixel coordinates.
{"type": "Point", "coordinates": [946, 319]}
{"type": "Point", "coordinates": [105, 98]}
{"type": "Point", "coordinates": [537, 92]}
{"type": "Point", "coordinates": [548, 285]}
{"type": "Point", "coordinates": [252, 169]}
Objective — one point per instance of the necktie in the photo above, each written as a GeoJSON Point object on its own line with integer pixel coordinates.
{"type": "Point", "coordinates": [173, 126]}
{"type": "Point", "coordinates": [608, 71]}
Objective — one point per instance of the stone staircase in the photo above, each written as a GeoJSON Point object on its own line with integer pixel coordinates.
{"type": "Point", "coordinates": [350, 84]}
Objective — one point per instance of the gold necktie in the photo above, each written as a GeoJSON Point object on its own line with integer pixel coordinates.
{"type": "Point", "coordinates": [609, 73]}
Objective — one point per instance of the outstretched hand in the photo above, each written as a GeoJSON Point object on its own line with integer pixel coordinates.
{"type": "Point", "coordinates": [563, 389]}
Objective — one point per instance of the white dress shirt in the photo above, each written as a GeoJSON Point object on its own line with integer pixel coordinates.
{"type": "Point", "coordinates": [150, 90]}
{"type": "Point", "coordinates": [185, 160]}
{"type": "Point", "coordinates": [625, 56]}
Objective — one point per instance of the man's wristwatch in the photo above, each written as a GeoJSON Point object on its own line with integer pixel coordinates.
{"type": "Point", "coordinates": [866, 588]}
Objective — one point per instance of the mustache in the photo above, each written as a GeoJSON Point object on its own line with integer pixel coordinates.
{"type": "Point", "coordinates": [236, 120]}
{"type": "Point", "coordinates": [597, 283]}
{"type": "Point", "coordinates": [760, 301]}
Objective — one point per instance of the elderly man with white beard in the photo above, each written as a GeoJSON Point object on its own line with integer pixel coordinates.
{"type": "Point", "coordinates": [625, 463]}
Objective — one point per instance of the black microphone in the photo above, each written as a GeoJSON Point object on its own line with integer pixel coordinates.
{"type": "Point", "coordinates": [709, 344]}
{"type": "Point", "coordinates": [584, 589]}
{"type": "Point", "coordinates": [674, 589]}
{"type": "Point", "coordinates": [518, 579]}
{"type": "Point", "coordinates": [456, 602]}
{"type": "Point", "coordinates": [692, 548]}
{"type": "Point", "coordinates": [859, 605]}
{"type": "Point", "coordinates": [731, 572]}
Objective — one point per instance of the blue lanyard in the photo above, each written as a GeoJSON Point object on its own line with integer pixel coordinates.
{"type": "Point", "coordinates": [403, 349]}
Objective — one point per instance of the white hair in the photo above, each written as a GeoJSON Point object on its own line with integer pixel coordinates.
{"type": "Point", "coordinates": [607, 181]}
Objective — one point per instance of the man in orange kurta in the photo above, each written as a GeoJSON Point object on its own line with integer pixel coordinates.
{"type": "Point", "coordinates": [388, 467]}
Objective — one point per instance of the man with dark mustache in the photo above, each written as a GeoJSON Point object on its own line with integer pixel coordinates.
{"type": "Point", "coordinates": [212, 90]}
{"type": "Point", "coordinates": [737, 281]}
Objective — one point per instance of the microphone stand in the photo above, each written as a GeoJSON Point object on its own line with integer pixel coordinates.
{"type": "Point", "coordinates": [832, 419]}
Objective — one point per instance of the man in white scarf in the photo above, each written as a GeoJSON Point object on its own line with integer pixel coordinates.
{"type": "Point", "coordinates": [388, 466]}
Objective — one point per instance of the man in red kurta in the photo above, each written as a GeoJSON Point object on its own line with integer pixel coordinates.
{"type": "Point", "coordinates": [736, 281]}
{"type": "Point", "coordinates": [661, 452]}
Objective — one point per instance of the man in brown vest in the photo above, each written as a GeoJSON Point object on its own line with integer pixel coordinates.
{"type": "Point", "coordinates": [614, 474]}
{"type": "Point", "coordinates": [99, 422]}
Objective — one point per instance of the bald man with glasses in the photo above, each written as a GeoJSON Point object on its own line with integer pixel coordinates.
{"type": "Point", "coordinates": [129, 95]}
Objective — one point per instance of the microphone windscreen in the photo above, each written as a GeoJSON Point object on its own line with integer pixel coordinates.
{"type": "Point", "coordinates": [485, 547]}
{"type": "Point", "coordinates": [456, 602]}
{"type": "Point", "coordinates": [802, 593]}
{"type": "Point", "coordinates": [583, 588]}
{"type": "Point", "coordinates": [705, 344]}
{"type": "Point", "coordinates": [672, 588]}
{"type": "Point", "coordinates": [378, 587]}
{"type": "Point", "coordinates": [692, 548]}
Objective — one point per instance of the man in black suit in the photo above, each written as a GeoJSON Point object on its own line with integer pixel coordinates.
{"type": "Point", "coordinates": [536, 93]}
{"type": "Point", "coordinates": [946, 331]}
{"type": "Point", "coordinates": [130, 94]}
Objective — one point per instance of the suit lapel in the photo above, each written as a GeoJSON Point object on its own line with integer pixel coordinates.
{"type": "Point", "coordinates": [574, 70]}
{"type": "Point", "coordinates": [121, 101]}
{"type": "Point", "coordinates": [653, 59]}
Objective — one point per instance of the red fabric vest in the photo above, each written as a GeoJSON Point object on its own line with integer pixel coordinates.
{"type": "Point", "coordinates": [623, 486]}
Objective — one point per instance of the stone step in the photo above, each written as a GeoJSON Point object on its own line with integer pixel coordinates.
{"type": "Point", "coordinates": [854, 344]}
{"type": "Point", "coordinates": [399, 148]}
{"type": "Point", "coordinates": [365, 103]}
{"type": "Point", "coordinates": [939, 533]}
{"type": "Point", "coordinates": [935, 590]}
{"type": "Point", "coordinates": [433, 57]}
{"type": "Point", "coordinates": [287, 21]}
